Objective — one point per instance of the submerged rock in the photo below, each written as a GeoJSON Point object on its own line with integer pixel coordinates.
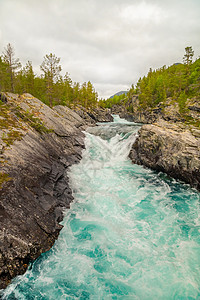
{"type": "Point", "coordinates": [170, 148]}
{"type": "Point", "coordinates": [38, 144]}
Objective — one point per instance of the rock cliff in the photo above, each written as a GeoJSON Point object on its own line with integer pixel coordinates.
{"type": "Point", "coordinates": [169, 110]}
{"type": "Point", "coordinates": [171, 148]}
{"type": "Point", "coordinates": [93, 115]}
{"type": "Point", "coordinates": [172, 142]}
{"type": "Point", "coordinates": [37, 146]}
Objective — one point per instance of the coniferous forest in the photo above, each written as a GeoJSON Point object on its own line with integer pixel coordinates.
{"type": "Point", "coordinates": [50, 87]}
{"type": "Point", "coordinates": [177, 83]}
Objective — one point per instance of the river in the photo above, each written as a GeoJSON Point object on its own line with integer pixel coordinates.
{"type": "Point", "coordinates": [131, 233]}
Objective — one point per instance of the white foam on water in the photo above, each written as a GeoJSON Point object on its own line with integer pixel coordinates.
{"type": "Point", "coordinates": [130, 233]}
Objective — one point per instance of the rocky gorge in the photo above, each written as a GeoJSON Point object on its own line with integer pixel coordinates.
{"type": "Point", "coordinates": [170, 139]}
{"type": "Point", "coordinates": [37, 144]}
{"type": "Point", "coordinates": [171, 111]}
{"type": "Point", "coordinates": [170, 148]}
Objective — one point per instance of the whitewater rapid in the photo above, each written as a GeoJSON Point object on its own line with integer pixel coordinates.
{"type": "Point", "coordinates": [131, 233]}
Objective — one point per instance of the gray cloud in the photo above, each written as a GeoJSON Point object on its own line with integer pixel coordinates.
{"type": "Point", "coordinates": [111, 43]}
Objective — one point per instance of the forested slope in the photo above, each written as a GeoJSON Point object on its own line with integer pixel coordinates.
{"type": "Point", "coordinates": [50, 87]}
{"type": "Point", "coordinates": [169, 92]}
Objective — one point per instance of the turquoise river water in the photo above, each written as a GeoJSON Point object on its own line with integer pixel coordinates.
{"type": "Point", "coordinates": [131, 233]}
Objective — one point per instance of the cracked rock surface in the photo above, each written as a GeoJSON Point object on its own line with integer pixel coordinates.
{"type": "Point", "coordinates": [170, 148]}
{"type": "Point", "coordinates": [38, 145]}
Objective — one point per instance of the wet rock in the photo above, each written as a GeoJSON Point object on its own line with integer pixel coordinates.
{"type": "Point", "coordinates": [122, 111]}
{"type": "Point", "coordinates": [107, 131]}
{"type": "Point", "coordinates": [37, 189]}
{"type": "Point", "coordinates": [101, 115]}
{"type": "Point", "coordinates": [93, 115]}
{"type": "Point", "coordinates": [170, 148]}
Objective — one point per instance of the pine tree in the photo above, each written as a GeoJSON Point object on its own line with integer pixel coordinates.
{"type": "Point", "coordinates": [29, 77]}
{"type": "Point", "coordinates": [91, 95]}
{"type": "Point", "coordinates": [84, 95]}
{"type": "Point", "coordinates": [68, 90]}
{"type": "Point", "coordinates": [12, 62]}
{"type": "Point", "coordinates": [76, 93]}
{"type": "Point", "coordinates": [187, 58]}
{"type": "Point", "coordinates": [4, 76]}
{"type": "Point", "coordinates": [51, 68]}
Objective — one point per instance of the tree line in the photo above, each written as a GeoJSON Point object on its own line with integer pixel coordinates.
{"type": "Point", "coordinates": [50, 87]}
{"type": "Point", "coordinates": [178, 82]}
{"type": "Point", "coordinates": [108, 103]}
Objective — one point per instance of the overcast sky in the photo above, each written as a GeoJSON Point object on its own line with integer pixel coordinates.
{"type": "Point", "coordinates": [109, 42]}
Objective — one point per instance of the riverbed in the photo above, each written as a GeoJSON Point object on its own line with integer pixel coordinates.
{"type": "Point", "coordinates": [131, 233]}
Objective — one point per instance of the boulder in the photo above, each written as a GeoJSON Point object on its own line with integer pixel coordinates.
{"type": "Point", "coordinates": [170, 148]}
{"type": "Point", "coordinates": [93, 115]}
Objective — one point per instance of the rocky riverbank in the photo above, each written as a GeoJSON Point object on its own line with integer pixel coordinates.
{"type": "Point", "coordinates": [170, 148]}
{"type": "Point", "coordinates": [94, 115]}
{"type": "Point", "coordinates": [38, 145]}
{"type": "Point", "coordinates": [171, 143]}
{"type": "Point", "coordinates": [169, 110]}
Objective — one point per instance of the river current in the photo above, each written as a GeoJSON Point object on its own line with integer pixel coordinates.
{"type": "Point", "coordinates": [131, 233]}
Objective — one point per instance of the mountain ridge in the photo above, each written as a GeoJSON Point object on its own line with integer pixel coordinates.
{"type": "Point", "coordinates": [118, 94]}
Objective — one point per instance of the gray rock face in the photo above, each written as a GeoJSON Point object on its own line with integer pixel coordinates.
{"type": "Point", "coordinates": [100, 115]}
{"type": "Point", "coordinates": [32, 201]}
{"type": "Point", "coordinates": [93, 115]}
{"type": "Point", "coordinates": [173, 149]}
{"type": "Point", "coordinates": [121, 110]}
{"type": "Point", "coordinates": [169, 110]}
{"type": "Point", "coordinates": [131, 111]}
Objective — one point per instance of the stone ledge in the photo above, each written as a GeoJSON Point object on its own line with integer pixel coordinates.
{"type": "Point", "coordinates": [169, 148]}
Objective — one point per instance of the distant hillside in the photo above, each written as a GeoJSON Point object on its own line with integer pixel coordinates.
{"type": "Point", "coordinates": [117, 98]}
{"type": "Point", "coordinates": [119, 93]}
